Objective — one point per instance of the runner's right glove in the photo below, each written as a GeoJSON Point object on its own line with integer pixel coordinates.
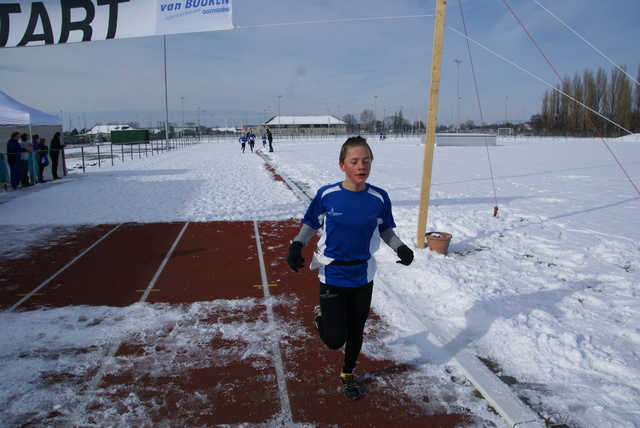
{"type": "Point", "coordinates": [295, 258]}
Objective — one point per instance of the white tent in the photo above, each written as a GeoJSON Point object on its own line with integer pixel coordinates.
{"type": "Point", "coordinates": [15, 116]}
{"type": "Point", "coordinates": [13, 113]}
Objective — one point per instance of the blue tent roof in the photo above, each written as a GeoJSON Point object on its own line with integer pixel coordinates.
{"type": "Point", "coordinates": [13, 113]}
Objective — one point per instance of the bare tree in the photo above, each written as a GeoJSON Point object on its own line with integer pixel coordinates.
{"type": "Point", "coordinates": [591, 97]}
{"type": "Point", "coordinates": [635, 126]}
{"type": "Point", "coordinates": [562, 114]}
{"type": "Point", "coordinates": [621, 96]}
{"type": "Point", "coordinates": [543, 120]}
{"type": "Point", "coordinates": [613, 97]}
{"type": "Point", "coordinates": [601, 86]}
{"type": "Point", "coordinates": [576, 115]}
{"type": "Point", "coordinates": [351, 122]}
{"type": "Point", "coordinates": [367, 117]}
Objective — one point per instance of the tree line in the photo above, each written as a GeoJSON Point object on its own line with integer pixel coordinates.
{"type": "Point", "coordinates": [611, 101]}
{"type": "Point", "coordinates": [391, 123]}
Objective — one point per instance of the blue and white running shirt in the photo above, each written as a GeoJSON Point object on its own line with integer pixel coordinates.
{"type": "Point", "coordinates": [352, 224]}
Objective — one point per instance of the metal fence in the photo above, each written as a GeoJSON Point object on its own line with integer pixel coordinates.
{"type": "Point", "coordinates": [80, 156]}
{"type": "Point", "coordinates": [83, 155]}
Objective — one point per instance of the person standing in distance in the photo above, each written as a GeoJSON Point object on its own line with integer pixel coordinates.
{"type": "Point", "coordinates": [14, 158]}
{"type": "Point", "coordinates": [54, 151]}
{"type": "Point", "coordinates": [354, 216]}
{"type": "Point", "coordinates": [270, 139]}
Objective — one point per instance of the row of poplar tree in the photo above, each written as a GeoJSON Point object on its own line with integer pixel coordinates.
{"type": "Point", "coordinates": [613, 102]}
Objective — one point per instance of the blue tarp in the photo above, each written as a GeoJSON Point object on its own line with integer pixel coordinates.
{"type": "Point", "coordinates": [4, 171]}
{"type": "Point", "coordinates": [34, 168]}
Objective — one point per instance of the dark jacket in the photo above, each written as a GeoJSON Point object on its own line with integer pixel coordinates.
{"type": "Point", "coordinates": [43, 151]}
{"type": "Point", "coordinates": [13, 151]}
{"type": "Point", "coordinates": [55, 144]}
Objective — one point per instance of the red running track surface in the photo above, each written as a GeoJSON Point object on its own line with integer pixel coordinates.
{"type": "Point", "coordinates": [211, 271]}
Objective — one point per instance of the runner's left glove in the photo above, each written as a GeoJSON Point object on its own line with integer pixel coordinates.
{"type": "Point", "coordinates": [295, 258]}
{"type": "Point", "coordinates": [405, 254]}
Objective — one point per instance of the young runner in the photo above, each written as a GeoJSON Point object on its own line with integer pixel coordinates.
{"type": "Point", "coordinates": [252, 139]}
{"type": "Point", "coordinates": [354, 216]}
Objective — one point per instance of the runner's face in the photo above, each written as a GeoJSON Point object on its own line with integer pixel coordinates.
{"type": "Point", "coordinates": [356, 166]}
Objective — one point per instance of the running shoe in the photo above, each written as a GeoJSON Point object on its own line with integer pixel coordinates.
{"type": "Point", "coordinates": [350, 389]}
{"type": "Point", "coordinates": [317, 314]}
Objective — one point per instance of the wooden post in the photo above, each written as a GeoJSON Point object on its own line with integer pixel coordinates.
{"type": "Point", "coordinates": [432, 113]}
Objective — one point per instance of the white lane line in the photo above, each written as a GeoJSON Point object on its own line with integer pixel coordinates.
{"type": "Point", "coordinates": [163, 264]}
{"type": "Point", "coordinates": [285, 404]}
{"type": "Point", "coordinates": [65, 267]}
{"type": "Point", "coordinates": [109, 362]}
{"type": "Point", "coordinates": [294, 187]}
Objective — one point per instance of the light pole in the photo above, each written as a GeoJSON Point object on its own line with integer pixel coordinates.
{"type": "Point", "coordinates": [182, 111]}
{"type": "Point", "coordinates": [452, 104]}
{"type": "Point", "coordinates": [384, 116]}
{"type": "Point", "coordinates": [506, 101]}
{"type": "Point", "coordinates": [458, 61]}
{"type": "Point", "coordinates": [375, 113]}
{"type": "Point", "coordinates": [279, 123]}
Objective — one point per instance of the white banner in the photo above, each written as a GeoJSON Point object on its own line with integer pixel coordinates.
{"type": "Point", "coordinates": [49, 22]}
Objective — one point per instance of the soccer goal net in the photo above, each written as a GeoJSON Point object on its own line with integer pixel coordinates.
{"type": "Point", "coordinates": [505, 132]}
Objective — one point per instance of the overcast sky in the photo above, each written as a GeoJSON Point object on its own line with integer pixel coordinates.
{"type": "Point", "coordinates": [328, 67]}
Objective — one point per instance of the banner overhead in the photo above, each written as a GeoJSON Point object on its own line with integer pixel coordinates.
{"type": "Point", "coordinates": [50, 22]}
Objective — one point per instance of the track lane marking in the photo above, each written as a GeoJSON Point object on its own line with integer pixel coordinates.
{"type": "Point", "coordinates": [150, 288]}
{"type": "Point", "coordinates": [285, 403]}
{"type": "Point", "coordinates": [108, 361]}
{"type": "Point", "coordinates": [65, 267]}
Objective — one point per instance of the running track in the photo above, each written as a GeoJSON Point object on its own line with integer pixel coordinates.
{"type": "Point", "coordinates": [295, 382]}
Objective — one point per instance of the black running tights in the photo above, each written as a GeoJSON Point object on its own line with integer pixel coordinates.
{"type": "Point", "coordinates": [344, 313]}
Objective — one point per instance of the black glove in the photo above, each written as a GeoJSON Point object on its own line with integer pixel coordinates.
{"type": "Point", "coordinates": [405, 254]}
{"type": "Point", "coordinates": [295, 258]}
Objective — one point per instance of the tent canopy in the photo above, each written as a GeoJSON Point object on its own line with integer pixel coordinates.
{"type": "Point", "coordinates": [13, 113]}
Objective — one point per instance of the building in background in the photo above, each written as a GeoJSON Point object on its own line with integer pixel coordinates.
{"type": "Point", "coordinates": [304, 125]}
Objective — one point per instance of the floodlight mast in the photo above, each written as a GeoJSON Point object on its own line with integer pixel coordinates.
{"type": "Point", "coordinates": [458, 61]}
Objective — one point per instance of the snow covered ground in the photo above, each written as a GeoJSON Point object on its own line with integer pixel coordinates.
{"type": "Point", "coordinates": [546, 293]}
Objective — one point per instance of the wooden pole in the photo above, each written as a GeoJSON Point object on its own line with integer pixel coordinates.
{"type": "Point", "coordinates": [430, 135]}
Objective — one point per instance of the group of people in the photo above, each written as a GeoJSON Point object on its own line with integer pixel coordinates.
{"type": "Point", "coordinates": [250, 138]}
{"type": "Point", "coordinates": [28, 158]}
